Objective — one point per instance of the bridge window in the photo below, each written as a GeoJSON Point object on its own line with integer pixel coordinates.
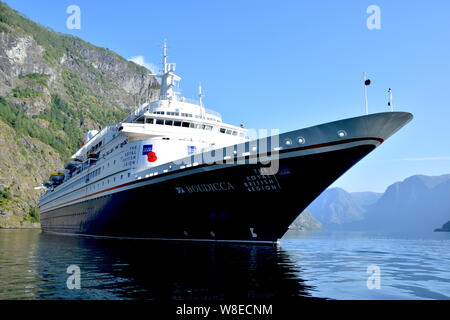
{"type": "Point", "coordinates": [140, 120]}
{"type": "Point", "coordinates": [177, 123]}
{"type": "Point", "coordinates": [185, 124]}
{"type": "Point", "coordinates": [159, 121]}
{"type": "Point", "coordinates": [169, 122]}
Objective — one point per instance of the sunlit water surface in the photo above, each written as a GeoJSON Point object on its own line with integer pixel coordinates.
{"type": "Point", "coordinates": [34, 265]}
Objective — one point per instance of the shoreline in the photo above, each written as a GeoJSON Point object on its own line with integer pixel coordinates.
{"type": "Point", "coordinates": [9, 228]}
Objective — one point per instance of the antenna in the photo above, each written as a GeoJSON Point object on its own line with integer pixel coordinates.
{"type": "Point", "coordinates": [165, 56]}
{"type": "Point", "coordinates": [200, 94]}
{"type": "Point", "coordinates": [366, 84]}
{"type": "Point", "coordinates": [390, 104]}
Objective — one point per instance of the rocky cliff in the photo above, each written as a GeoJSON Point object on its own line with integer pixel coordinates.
{"type": "Point", "coordinates": [53, 88]}
{"type": "Point", "coordinates": [305, 222]}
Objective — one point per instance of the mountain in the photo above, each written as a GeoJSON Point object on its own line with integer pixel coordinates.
{"type": "Point", "coordinates": [53, 88]}
{"type": "Point", "coordinates": [418, 204]}
{"type": "Point", "coordinates": [445, 228]}
{"type": "Point", "coordinates": [335, 208]}
{"type": "Point", "coordinates": [305, 222]}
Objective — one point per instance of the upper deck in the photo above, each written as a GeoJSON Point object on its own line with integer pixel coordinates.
{"type": "Point", "coordinates": [174, 125]}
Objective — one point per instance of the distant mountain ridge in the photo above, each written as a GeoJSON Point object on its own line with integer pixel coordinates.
{"type": "Point", "coordinates": [335, 207]}
{"type": "Point", "coordinates": [445, 228]}
{"type": "Point", "coordinates": [418, 203]}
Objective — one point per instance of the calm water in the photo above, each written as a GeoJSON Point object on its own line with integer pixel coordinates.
{"type": "Point", "coordinates": [325, 265]}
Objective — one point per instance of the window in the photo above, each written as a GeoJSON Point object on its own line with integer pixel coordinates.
{"type": "Point", "coordinates": [234, 133]}
{"type": "Point", "coordinates": [185, 124]}
{"type": "Point", "coordinates": [139, 120]}
{"type": "Point", "coordinates": [159, 121]}
{"type": "Point", "coordinates": [222, 130]}
{"type": "Point", "coordinates": [169, 122]}
{"type": "Point", "coordinates": [228, 131]}
{"type": "Point", "coordinates": [193, 125]}
{"type": "Point", "coordinates": [208, 127]}
{"type": "Point", "coordinates": [177, 123]}
{"type": "Point", "coordinates": [149, 120]}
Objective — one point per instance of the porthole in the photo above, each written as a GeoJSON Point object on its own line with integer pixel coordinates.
{"type": "Point", "coordinates": [342, 134]}
{"type": "Point", "coordinates": [288, 142]}
{"type": "Point", "coordinates": [301, 140]}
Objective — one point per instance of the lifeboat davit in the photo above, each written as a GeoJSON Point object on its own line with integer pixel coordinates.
{"type": "Point", "coordinates": [48, 184]}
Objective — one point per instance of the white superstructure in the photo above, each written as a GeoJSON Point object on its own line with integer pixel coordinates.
{"type": "Point", "coordinates": [158, 132]}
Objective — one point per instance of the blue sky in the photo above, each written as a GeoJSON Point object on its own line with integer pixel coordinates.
{"type": "Point", "coordinates": [292, 64]}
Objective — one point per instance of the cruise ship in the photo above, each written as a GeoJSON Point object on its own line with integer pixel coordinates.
{"type": "Point", "coordinates": [173, 170]}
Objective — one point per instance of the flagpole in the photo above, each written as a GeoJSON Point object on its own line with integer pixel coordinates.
{"type": "Point", "coordinates": [365, 92]}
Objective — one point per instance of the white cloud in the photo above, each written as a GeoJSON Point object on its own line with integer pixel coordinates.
{"type": "Point", "coordinates": [140, 60]}
{"type": "Point", "coordinates": [427, 159]}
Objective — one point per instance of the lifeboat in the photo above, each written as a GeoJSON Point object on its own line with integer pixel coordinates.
{"type": "Point", "coordinates": [56, 177]}
{"type": "Point", "coordinates": [72, 163]}
{"type": "Point", "coordinates": [64, 172]}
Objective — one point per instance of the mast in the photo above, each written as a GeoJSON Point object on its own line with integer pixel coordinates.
{"type": "Point", "coordinates": [366, 84]}
{"type": "Point", "coordinates": [168, 78]}
{"type": "Point", "coordinates": [390, 99]}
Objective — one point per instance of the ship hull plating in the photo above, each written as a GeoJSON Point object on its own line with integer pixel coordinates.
{"type": "Point", "coordinates": [225, 203]}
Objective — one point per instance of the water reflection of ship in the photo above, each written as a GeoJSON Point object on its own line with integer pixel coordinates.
{"type": "Point", "coordinates": [163, 271]}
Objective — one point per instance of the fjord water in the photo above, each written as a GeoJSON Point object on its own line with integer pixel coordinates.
{"type": "Point", "coordinates": [34, 265]}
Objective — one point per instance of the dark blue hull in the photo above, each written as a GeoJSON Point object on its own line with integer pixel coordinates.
{"type": "Point", "coordinates": [226, 203]}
